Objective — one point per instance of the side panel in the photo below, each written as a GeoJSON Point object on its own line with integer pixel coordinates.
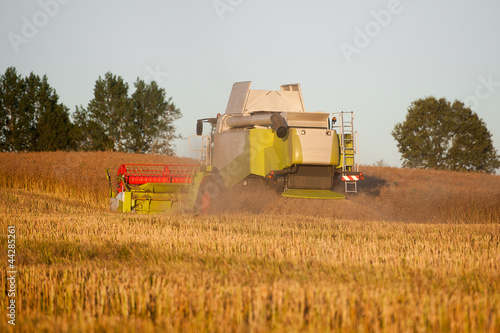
{"type": "Point", "coordinates": [294, 147]}
{"type": "Point", "coordinates": [268, 152]}
{"type": "Point", "coordinates": [314, 146]}
{"type": "Point", "coordinates": [127, 202]}
{"type": "Point", "coordinates": [335, 161]}
{"type": "Point", "coordinates": [238, 97]}
{"type": "Point", "coordinates": [228, 145]}
{"type": "Point", "coordinates": [232, 156]}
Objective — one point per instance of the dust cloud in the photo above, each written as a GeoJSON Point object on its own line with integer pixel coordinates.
{"type": "Point", "coordinates": [386, 194]}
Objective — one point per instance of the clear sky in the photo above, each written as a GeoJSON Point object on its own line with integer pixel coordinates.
{"type": "Point", "coordinates": [372, 57]}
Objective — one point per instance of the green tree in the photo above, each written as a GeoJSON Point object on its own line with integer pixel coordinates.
{"type": "Point", "coordinates": [87, 133]}
{"type": "Point", "coordinates": [17, 111]}
{"type": "Point", "coordinates": [439, 135]}
{"type": "Point", "coordinates": [151, 121]}
{"type": "Point", "coordinates": [53, 124]}
{"type": "Point", "coordinates": [102, 126]}
{"type": "Point", "coordinates": [31, 117]}
{"type": "Point", "coordinates": [141, 123]}
{"type": "Point", "coordinates": [13, 125]}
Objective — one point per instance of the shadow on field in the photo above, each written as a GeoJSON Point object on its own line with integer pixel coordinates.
{"type": "Point", "coordinates": [372, 185]}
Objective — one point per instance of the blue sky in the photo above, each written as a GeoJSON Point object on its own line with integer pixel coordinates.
{"type": "Point", "coordinates": [371, 57]}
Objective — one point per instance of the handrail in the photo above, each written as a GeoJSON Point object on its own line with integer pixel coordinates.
{"type": "Point", "coordinates": [205, 156]}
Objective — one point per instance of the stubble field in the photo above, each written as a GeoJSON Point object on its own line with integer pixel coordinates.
{"type": "Point", "coordinates": [415, 251]}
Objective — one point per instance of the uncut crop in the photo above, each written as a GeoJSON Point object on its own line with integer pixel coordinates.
{"type": "Point", "coordinates": [83, 268]}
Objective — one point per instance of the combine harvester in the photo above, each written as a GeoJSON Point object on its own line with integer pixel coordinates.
{"type": "Point", "coordinates": [263, 134]}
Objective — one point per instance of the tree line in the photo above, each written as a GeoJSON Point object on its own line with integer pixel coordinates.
{"type": "Point", "coordinates": [33, 119]}
{"type": "Point", "coordinates": [436, 134]}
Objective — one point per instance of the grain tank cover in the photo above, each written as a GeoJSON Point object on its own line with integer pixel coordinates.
{"type": "Point", "coordinates": [245, 101]}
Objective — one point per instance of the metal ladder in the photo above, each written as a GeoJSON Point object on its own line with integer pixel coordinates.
{"type": "Point", "coordinates": [205, 159]}
{"type": "Point", "coordinates": [348, 148]}
{"type": "Point", "coordinates": [205, 151]}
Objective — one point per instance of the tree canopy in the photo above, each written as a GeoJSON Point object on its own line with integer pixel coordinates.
{"type": "Point", "coordinates": [102, 124]}
{"type": "Point", "coordinates": [141, 123]}
{"type": "Point", "coordinates": [31, 117]}
{"type": "Point", "coordinates": [152, 115]}
{"type": "Point", "coordinates": [439, 135]}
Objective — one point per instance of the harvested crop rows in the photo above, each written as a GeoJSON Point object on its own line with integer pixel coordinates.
{"type": "Point", "coordinates": [416, 251]}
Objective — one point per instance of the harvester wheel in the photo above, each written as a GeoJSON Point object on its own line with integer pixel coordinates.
{"type": "Point", "coordinates": [209, 190]}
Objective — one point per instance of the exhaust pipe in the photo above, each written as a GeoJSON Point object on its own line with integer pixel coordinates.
{"type": "Point", "coordinates": [279, 125]}
{"type": "Point", "coordinates": [277, 122]}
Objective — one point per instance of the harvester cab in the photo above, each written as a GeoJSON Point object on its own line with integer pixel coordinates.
{"type": "Point", "coordinates": [264, 134]}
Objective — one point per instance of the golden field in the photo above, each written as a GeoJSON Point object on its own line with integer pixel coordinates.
{"type": "Point", "coordinates": [415, 251]}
